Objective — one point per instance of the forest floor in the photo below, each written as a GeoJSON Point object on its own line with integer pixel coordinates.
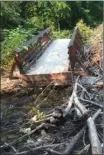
{"type": "Point", "coordinates": [22, 110]}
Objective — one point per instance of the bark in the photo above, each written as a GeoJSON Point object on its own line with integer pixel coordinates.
{"type": "Point", "coordinates": [91, 102]}
{"type": "Point", "coordinates": [94, 139]}
{"type": "Point", "coordinates": [71, 98]}
{"type": "Point", "coordinates": [80, 106]}
{"type": "Point", "coordinates": [75, 139]}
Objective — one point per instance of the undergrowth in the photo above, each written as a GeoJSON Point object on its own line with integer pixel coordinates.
{"type": "Point", "coordinates": [15, 37]}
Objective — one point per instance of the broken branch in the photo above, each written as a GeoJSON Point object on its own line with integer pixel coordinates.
{"type": "Point", "coordinates": [75, 139]}
{"type": "Point", "coordinates": [94, 139]}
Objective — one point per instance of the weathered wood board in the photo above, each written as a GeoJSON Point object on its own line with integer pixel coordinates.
{"type": "Point", "coordinates": [53, 60]}
{"type": "Point", "coordinates": [56, 61]}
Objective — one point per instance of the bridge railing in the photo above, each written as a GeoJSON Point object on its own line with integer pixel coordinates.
{"type": "Point", "coordinates": [31, 50]}
{"type": "Point", "coordinates": [76, 49]}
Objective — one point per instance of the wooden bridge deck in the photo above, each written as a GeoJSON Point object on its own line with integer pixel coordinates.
{"type": "Point", "coordinates": [50, 61]}
{"type": "Point", "coordinates": [53, 60]}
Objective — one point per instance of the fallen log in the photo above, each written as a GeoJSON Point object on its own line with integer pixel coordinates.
{"type": "Point", "coordinates": [74, 99]}
{"type": "Point", "coordinates": [98, 85]}
{"type": "Point", "coordinates": [71, 144]}
{"type": "Point", "coordinates": [78, 113]}
{"type": "Point", "coordinates": [94, 139]}
{"type": "Point", "coordinates": [33, 150]}
{"type": "Point", "coordinates": [84, 90]}
{"type": "Point", "coordinates": [83, 151]}
{"type": "Point", "coordinates": [69, 104]}
{"type": "Point", "coordinates": [80, 106]}
{"type": "Point", "coordinates": [75, 139]}
{"type": "Point", "coordinates": [67, 109]}
{"type": "Point", "coordinates": [86, 148]}
{"type": "Point", "coordinates": [91, 102]}
{"type": "Point", "coordinates": [42, 125]}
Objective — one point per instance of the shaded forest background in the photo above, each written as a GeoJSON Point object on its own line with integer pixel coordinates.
{"type": "Point", "coordinates": [23, 19]}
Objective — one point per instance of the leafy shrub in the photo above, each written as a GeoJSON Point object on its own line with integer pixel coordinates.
{"type": "Point", "coordinates": [85, 30]}
{"type": "Point", "coordinates": [15, 37]}
{"type": "Point", "coordinates": [34, 23]}
{"type": "Point", "coordinates": [61, 34]}
{"type": "Point", "coordinates": [12, 39]}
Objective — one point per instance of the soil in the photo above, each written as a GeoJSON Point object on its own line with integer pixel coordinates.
{"type": "Point", "coordinates": [19, 106]}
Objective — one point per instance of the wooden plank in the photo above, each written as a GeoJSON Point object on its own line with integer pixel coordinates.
{"type": "Point", "coordinates": [35, 56]}
{"type": "Point", "coordinates": [44, 65]}
{"type": "Point", "coordinates": [47, 78]}
{"type": "Point", "coordinates": [35, 46]}
{"type": "Point", "coordinates": [54, 78]}
{"type": "Point", "coordinates": [53, 60]}
{"type": "Point", "coordinates": [76, 50]}
{"type": "Point", "coordinates": [36, 37]}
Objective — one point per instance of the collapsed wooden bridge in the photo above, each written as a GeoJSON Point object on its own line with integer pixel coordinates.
{"type": "Point", "coordinates": [42, 60]}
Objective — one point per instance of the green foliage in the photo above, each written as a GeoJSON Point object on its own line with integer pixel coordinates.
{"type": "Point", "coordinates": [38, 114]}
{"type": "Point", "coordinates": [86, 31]}
{"type": "Point", "coordinates": [22, 19]}
{"type": "Point", "coordinates": [50, 13]}
{"type": "Point", "coordinates": [65, 13]}
{"type": "Point", "coordinates": [13, 39]}
{"type": "Point", "coordinates": [90, 11]}
{"type": "Point", "coordinates": [34, 23]}
{"type": "Point", "coordinates": [10, 14]}
{"type": "Point", "coordinates": [62, 34]}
